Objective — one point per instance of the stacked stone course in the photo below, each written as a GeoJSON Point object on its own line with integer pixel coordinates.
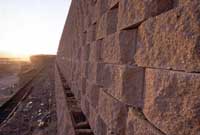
{"type": "Point", "coordinates": [133, 65]}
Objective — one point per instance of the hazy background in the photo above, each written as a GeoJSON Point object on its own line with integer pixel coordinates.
{"type": "Point", "coordinates": [31, 26]}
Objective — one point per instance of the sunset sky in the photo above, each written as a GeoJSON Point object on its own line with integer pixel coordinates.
{"type": "Point", "coordinates": [31, 26]}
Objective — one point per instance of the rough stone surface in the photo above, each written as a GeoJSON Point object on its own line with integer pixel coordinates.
{"type": "Point", "coordinates": [112, 20]}
{"type": "Point", "coordinates": [101, 27]}
{"type": "Point", "coordinates": [172, 101]}
{"type": "Point", "coordinates": [171, 40]}
{"type": "Point", "coordinates": [119, 47]}
{"type": "Point", "coordinates": [85, 106]}
{"type": "Point", "coordinates": [82, 85]}
{"type": "Point", "coordinates": [182, 2]}
{"type": "Point", "coordinates": [105, 48]}
{"type": "Point", "coordinates": [85, 51]}
{"type": "Point", "coordinates": [75, 89]}
{"type": "Point", "coordinates": [137, 124]}
{"type": "Point", "coordinates": [87, 22]}
{"type": "Point", "coordinates": [94, 72]}
{"type": "Point", "coordinates": [91, 34]}
{"type": "Point", "coordinates": [113, 113]}
{"type": "Point", "coordinates": [93, 94]}
{"type": "Point", "coordinates": [94, 11]}
{"type": "Point", "coordinates": [93, 118]}
{"type": "Point", "coordinates": [133, 12]}
{"type": "Point", "coordinates": [113, 3]}
{"type": "Point", "coordinates": [101, 7]}
{"type": "Point", "coordinates": [124, 83]}
{"type": "Point", "coordinates": [101, 127]}
{"type": "Point", "coordinates": [84, 69]}
{"type": "Point", "coordinates": [107, 24]}
{"type": "Point", "coordinates": [95, 51]}
{"type": "Point", "coordinates": [76, 71]}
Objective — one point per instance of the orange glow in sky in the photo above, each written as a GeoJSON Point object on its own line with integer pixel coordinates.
{"type": "Point", "coordinates": [31, 27]}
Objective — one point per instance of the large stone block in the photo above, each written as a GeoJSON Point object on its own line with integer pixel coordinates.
{"type": "Point", "coordinates": [91, 34]}
{"type": "Point", "coordinates": [112, 21]}
{"type": "Point", "coordinates": [107, 24]}
{"type": "Point", "coordinates": [172, 101]}
{"type": "Point", "coordinates": [83, 38]}
{"type": "Point", "coordinates": [119, 47]}
{"type": "Point", "coordinates": [94, 73]}
{"type": "Point", "coordinates": [171, 40]}
{"type": "Point", "coordinates": [182, 2]}
{"type": "Point", "coordinates": [95, 51]}
{"type": "Point", "coordinates": [101, 127]}
{"type": "Point", "coordinates": [84, 68]}
{"type": "Point", "coordinates": [124, 83]}
{"type": "Point", "coordinates": [93, 119]}
{"type": "Point", "coordinates": [113, 113]}
{"type": "Point", "coordinates": [94, 14]}
{"type": "Point", "coordinates": [75, 89]}
{"type": "Point", "coordinates": [85, 52]}
{"type": "Point", "coordinates": [82, 85]}
{"type": "Point", "coordinates": [87, 22]}
{"type": "Point", "coordinates": [76, 71]}
{"type": "Point", "coordinates": [101, 27]}
{"type": "Point", "coordinates": [101, 7]}
{"type": "Point", "coordinates": [75, 51]}
{"type": "Point", "coordinates": [113, 3]}
{"type": "Point", "coordinates": [133, 12]}
{"type": "Point", "coordinates": [137, 124]}
{"type": "Point", "coordinates": [92, 94]}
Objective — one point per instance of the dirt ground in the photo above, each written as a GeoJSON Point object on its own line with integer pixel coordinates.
{"type": "Point", "coordinates": [8, 86]}
{"type": "Point", "coordinates": [36, 115]}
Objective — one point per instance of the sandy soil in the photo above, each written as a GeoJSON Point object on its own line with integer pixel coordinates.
{"type": "Point", "coordinates": [36, 115]}
{"type": "Point", "coordinates": [8, 80]}
{"type": "Point", "coordinates": [8, 87]}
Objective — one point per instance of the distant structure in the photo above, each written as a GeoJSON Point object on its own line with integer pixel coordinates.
{"type": "Point", "coordinates": [42, 59]}
{"type": "Point", "coordinates": [133, 66]}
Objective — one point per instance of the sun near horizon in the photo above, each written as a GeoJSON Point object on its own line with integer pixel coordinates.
{"type": "Point", "coordinates": [20, 56]}
{"type": "Point", "coordinates": [24, 54]}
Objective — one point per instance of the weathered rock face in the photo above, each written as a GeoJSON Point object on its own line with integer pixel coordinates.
{"type": "Point", "coordinates": [119, 48]}
{"type": "Point", "coordinates": [171, 40]}
{"type": "Point", "coordinates": [107, 24]}
{"type": "Point", "coordinates": [118, 81]}
{"type": "Point", "coordinates": [113, 3]}
{"type": "Point", "coordinates": [182, 2]}
{"type": "Point", "coordinates": [172, 101]}
{"type": "Point", "coordinates": [92, 94]}
{"type": "Point", "coordinates": [133, 12]}
{"type": "Point", "coordinates": [113, 113]}
{"type": "Point", "coordinates": [137, 124]}
{"type": "Point", "coordinates": [127, 63]}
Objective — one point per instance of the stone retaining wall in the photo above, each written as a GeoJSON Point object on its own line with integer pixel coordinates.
{"type": "Point", "coordinates": [133, 65]}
